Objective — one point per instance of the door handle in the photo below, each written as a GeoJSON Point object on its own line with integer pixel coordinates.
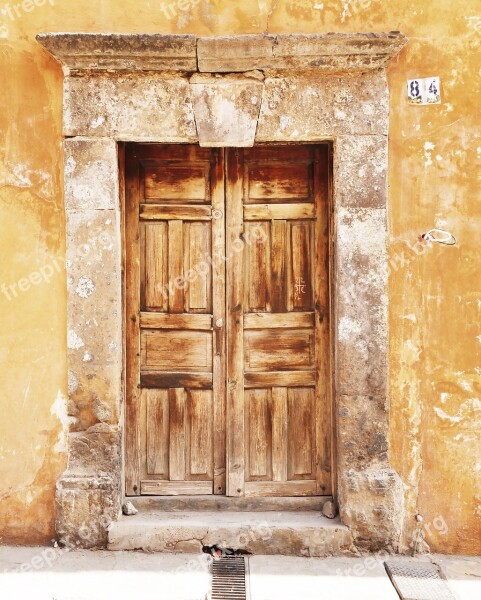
{"type": "Point", "coordinates": [218, 330]}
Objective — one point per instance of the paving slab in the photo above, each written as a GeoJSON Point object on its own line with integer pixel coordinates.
{"type": "Point", "coordinates": [49, 574]}
{"type": "Point", "coordinates": [56, 574]}
{"type": "Point", "coordinates": [285, 578]}
{"type": "Point", "coordinates": [463, 574]}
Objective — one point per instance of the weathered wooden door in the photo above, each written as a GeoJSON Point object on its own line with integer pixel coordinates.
{"type": "Point", "coordinates": [227, 369]}
{"type": "Point", "coordinates": [175, 314]}
{"type": "Point", "coordinates": [278, 416]}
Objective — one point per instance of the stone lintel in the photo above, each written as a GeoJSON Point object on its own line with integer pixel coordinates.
{"type": "Point", "coordinates": [122, 52]}
{"type": "Point", "coordinates": [325, 52]}
{"type": "Point", "coordinates": [330, 52]}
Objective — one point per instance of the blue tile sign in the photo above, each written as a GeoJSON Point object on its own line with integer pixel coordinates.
{"type": "Point", "coordinates": [424, 91]}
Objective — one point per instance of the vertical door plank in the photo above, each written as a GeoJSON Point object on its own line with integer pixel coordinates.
{"type": "Point", "coordinates": [157, 432]}
{"type": "Point", "coordinates": [258, 435]}
{"type": "Point", "coordinates": [257, 266]}
{"type": "Point", "coordinates": [198, 250]}
{"type": "Point", "coordinates": [279, 434]}
{"type": "Point", "coordinates": [235, 325]}
{"type": "Point", "coordinates": [199, 434]}
{"type": "Point", "coordinates": [155, 267]}
{"type": "Point", "coordinates": [217, 186]}
{"type": "Point", "coordinates": [324, 424]}
{"type": "Point", "coordinates": [301, 265]}
{"type": "Point", "coordinates": [278, 295]}
{"type": "Point", "coordinates": [176, 271]}
{"type": "Point", "coordinates": [177, 434]}
{"type": "Point", "coordinates": [300, 429]}
{"type": "Point", "coordinates": [132, 350]}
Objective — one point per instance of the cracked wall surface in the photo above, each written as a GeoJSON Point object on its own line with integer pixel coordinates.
{"type": "Point", "coordinates": [434, 350]}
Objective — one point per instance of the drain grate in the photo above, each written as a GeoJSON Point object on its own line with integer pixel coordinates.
{"type": "Point", "coordinates": [418, 581]}
{"type": "Point", "coordinates": [229, 578]}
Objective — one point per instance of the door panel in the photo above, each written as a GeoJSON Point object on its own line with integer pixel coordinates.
{"type": "Point", "coordinates": [175, 358]}
{"type": "Point", "coordinates": [252, 392]}
{"type": "Point", "coordinates": [278, 363]}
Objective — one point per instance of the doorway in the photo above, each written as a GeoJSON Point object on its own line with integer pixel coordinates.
{"type": "Point", "coordinates": [227, 320]}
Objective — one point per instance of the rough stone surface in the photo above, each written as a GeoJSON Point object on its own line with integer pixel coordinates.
{"type": "Point", "coordinates": [360, 170]}
{"type": "Point", "coordinates": [305, 108]}
{"type": "Point", "coordinates": [361, 303]}
{"type": "Point", "coordinates": [226, 111]}
{"type": "Point", "coordinates": [94, 334]}
{"type": "Point", "coordinates": [329, 509]}
{"type": "Point", "coordinates": [129, 509]}
{"type": "Point", "coordinates": [122, 52]}
{"type": "Point", "coordinates": [293, 533]}
{"type": "Point", "coordinates": [235, 53]}
{"type": "Point", "coordinates": [94, 453]}
{"type": "Point", "coordinates": [88, 494]}
{"type": "Point", "coordinates": [362, 431]}
{"type": "Point", "coordinates": [371, 504]}
{"type": "Point", "coordinates": [131, 108]}
{"type": "Point", "coordinates": [91, 174]}
{"type": "Point", "coordinates": [229, 504]}
{"type": "Point", "coordinates": [85, 509]}
{"type": "Point", "coordinates": [325, 52]}
{"type": "Point", "coordinates": [80, 52]}
{"type": "Point", "coordinates": [337, 51]}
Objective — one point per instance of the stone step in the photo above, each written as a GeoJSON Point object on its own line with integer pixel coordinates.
{"type": "Point", "coordinates": [287, 533]}
{"type": "Point", "coordinates": [224, 503]}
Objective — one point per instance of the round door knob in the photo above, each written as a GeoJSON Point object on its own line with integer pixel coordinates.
{"type": "Point", "coordinates": [219, 323]}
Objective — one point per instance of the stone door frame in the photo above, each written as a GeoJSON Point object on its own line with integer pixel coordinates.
{"type": "Point", "coordinates": [231, 91]}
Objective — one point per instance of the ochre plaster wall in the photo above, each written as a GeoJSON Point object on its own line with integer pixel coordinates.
{"type": "Point", "coordinates": [435, 292]}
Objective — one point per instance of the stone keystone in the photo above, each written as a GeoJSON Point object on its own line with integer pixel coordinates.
{"type": "Point", "coordinates": [226, 110]}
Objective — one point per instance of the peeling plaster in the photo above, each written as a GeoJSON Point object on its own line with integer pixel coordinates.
{"type": "Point", "coordinates": [59, 410]}
{"type": "Point", "coordinates": [442, 415]}
{"type": "Point", "coordinates": [74, 341]}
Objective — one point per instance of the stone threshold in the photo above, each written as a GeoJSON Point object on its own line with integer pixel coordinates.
{"type": "Point", "coordinates": [286, 533]}
{"type": "Point", "coordinates": [225, 503]}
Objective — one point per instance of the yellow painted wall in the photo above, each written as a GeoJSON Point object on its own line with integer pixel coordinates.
{"type": "Point", "coordinates": [435, 297]}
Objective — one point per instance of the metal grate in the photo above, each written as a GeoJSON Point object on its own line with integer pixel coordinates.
{"type": "Point", "coordinates": [229, 578]}
{"type": "Point", "coordinates": [418, 581]}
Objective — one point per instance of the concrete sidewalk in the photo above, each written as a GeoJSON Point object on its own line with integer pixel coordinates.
{"type": "Point", "coordinates": [53, 574]}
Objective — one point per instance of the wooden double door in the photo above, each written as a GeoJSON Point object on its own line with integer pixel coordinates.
{"type": "Point", "coordinates": [227, 321]}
